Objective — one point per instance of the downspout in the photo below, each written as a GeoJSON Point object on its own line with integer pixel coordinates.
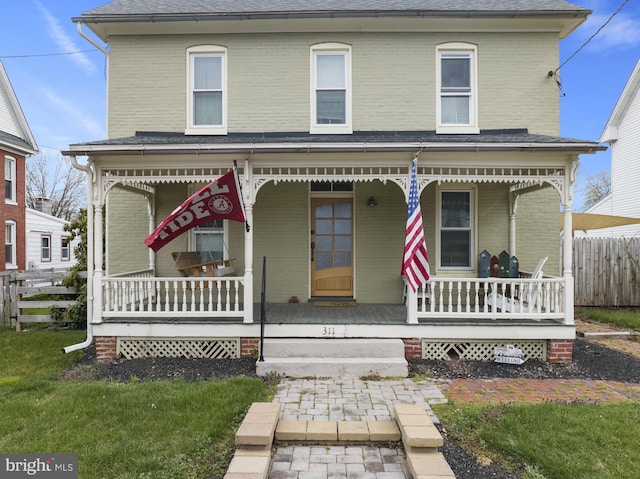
{"type": "Point", "coordinates": [89, 340]}
{"type": "Point", "coordinates": [91, 40]}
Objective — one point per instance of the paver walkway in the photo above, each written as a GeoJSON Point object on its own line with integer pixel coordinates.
{"type": "Point", "coordinates": [347, 400]}
{"type": "Point", "coordinates": [361, 400]}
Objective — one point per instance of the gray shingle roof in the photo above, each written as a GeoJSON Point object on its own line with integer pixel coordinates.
{"type": "Point", "coordinates": [311, 7]}
{"type": "Point", "coordinates": [520, 138]}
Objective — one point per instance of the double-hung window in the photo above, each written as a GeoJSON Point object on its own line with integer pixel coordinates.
{"type": "Point", "coordinates": [208, 240]}
{"type": "Point", "coordinates": [457, 88]}
{"type": "Point", "coordinates": [45, 248]}
{"type": "Point", "coordinates": [457, 236]}
{"type": "Point", "coordinates": [65, 249]}
{"type": "Point", "coordinates": [10, 255]}
{"type": "Point", "coordinates": [207, 95]}
{"type": "Point", "coordinates": [10, 195]}
{"type": "Point", "coordinates": [331, 88]}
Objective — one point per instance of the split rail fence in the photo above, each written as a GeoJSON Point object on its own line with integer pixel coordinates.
{"type": "Point", "coordinates": [17, 287]}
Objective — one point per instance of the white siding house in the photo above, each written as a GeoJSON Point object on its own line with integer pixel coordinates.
{"type": "Point", "coordinates": [622, 133]}
{"type": "Point", "coordinates": [47, 242]}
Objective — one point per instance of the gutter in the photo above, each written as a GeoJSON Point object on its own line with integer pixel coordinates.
{"type": "Point", "coordinates": [90, 253]}
{"type": "Point", "coordinates": [249, 148]}
{"type": "Point", "coordinates": [91, 40]}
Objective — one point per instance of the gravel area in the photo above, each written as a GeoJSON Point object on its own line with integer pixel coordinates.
{"type": "Point", "coordinates": [591, 361]}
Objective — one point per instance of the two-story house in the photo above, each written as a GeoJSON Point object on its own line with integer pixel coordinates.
{"type": "Point", "coordinates": [622, 133]}
{"type": "Point", "coordinates": [324, 106]}
{"type": "Point", "coordinates": [16, 143]}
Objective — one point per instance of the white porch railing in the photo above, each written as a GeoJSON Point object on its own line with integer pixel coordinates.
{"type": "Point", "coordinates": [172, 297]}
{"type": "Point", "coordinates": [492, 298]}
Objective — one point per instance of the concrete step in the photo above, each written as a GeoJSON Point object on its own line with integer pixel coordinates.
{"type": "Point", "coordinates": [301, 357]}
{"type": "Point", "coordinates": [333, 348]}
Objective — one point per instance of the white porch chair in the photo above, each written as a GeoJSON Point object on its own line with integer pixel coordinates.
{"type": "Point", "coordinates": [507, 303]}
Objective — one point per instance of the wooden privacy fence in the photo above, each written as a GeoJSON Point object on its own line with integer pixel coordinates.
{"type": "Point", "coordinates": [19, 286]}
{"type": "Point", "coordinates": [606, 271]}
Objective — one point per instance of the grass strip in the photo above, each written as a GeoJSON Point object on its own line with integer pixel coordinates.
{"type": "Point", "coordinates": [551, 440]}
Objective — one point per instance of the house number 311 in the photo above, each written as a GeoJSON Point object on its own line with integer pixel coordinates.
{"type": "Point", "coordinates": [328, 331]}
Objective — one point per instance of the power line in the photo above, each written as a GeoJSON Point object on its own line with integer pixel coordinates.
{"type": "Point", "coordinates": [49, 54]}
{"type": "Point", "coordinates": [593, 36]}
{"type": "Point", "coordinates": [554, 73]}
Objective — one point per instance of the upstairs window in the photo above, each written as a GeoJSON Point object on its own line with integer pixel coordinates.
{"type": "Point", "coordinates": [207, 109]}
{"type": "Point", "coordinates": [10, 195]}
{"type": "Point", "coordinates": [10, 255]}
{"type": "Point", "coordinates": [457, 88]}
{"type": "Point", "coordinates": [331, 88]}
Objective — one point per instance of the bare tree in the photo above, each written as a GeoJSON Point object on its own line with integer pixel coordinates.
{"type": "Point", "coordinates": [60, 185]}
{"type": "Point", "coordinates": [597, 187]}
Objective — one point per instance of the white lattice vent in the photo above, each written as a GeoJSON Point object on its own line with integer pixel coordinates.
{"type": "Point", "coordinates": [479, 350]}
{"type": "Point", "coordinates": [218, 348]}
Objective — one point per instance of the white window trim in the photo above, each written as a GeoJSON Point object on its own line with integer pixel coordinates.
{"type": "Point", "coordinates": [206, 129]}
{"type": "Point", "coordinates": [473, 253]}
{"type": "Point", "coordinates": [191, 244]}
{"type": "Point", "coordinates": [327, 48]}
{"type": "Point", "coordinates": [472, 127]}
{"type": "Point", "coordinates": [14, 171]}
{"type": "Point", "coordinates": [13, 241]}
{"type": "Point", "coordinates": [64, 257]}
{"type": "Point", "coordinates": [42, 249]}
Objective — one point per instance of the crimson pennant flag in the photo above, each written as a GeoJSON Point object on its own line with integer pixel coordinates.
{"type": "Point", "coordinates": [219, 200]}
{"type": "Point", "coordinates": [415, 264]}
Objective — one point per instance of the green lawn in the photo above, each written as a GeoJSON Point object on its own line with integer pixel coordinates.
{"type": "Point", "coordinates": [551, 440]}
{"type": "Point", "coordinates": [628, 318]}
{"type": "Point", "coordinates": [140, 430]}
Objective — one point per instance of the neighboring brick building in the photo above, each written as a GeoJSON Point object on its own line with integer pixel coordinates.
{"type": "Point", "coordinates": [16, 143]}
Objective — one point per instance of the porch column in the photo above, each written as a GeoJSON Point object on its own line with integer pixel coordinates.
{"type": "Point", "coordinates": [513, 208]}
{"type": "Point", "coordinates": [248, 266]}
{"type": "Point", "coordinates": [567, 263]}
{"type": "Point", "coordinates": [412, 306]}
{"type": "Point", "coordinates": [152, 222]}
{"type": "Point", "coordinates": [97, 263]}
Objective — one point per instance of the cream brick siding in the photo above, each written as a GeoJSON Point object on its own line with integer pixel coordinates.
{"type": "Point", "coordinates": [379, 242]}
{"type": "Point", "coordinates": [393, 81]}
{"type": "Point", "coordinates": [281, 232]}
{"type": "Point", "coordinates": [127, 224]}
{"type": "Point", "coordinates": [538, 231]}
{"type": "Point", "coordinates": [493, 218]}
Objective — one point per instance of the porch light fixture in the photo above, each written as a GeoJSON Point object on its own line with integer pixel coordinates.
{"type": "Point", "coordinates": [371, 202]}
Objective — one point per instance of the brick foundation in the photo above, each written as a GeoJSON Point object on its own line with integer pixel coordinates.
{"type": "Point", "coordinates": [249, 347]}
{"type": "Point", "coordinates": [412, 348]}
{"type": "Point", "coordinates": [106, 347]}
{"type": "Point", "coordinates": [560, 351]}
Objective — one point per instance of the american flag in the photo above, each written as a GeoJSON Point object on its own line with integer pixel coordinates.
{"type": "Point", "coordinates": [415, 264]}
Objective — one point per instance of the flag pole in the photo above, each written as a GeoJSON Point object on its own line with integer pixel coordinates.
{"type": "Point", "coordinates": [239, 186]}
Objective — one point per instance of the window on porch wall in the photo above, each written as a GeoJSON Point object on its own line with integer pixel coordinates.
{"type": "Point", "coordinates": [456, 225]}
{"type": "Point", "coordinates": [208, 240]}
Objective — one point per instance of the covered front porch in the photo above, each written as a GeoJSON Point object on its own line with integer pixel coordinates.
{"type": "Point", "coordinates": [473, 300]}
{"type": "Point", "coordinates": [509, 188]}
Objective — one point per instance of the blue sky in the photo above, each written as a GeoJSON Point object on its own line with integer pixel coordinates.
{"type": "Point", "coordinates": [63, 96]}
